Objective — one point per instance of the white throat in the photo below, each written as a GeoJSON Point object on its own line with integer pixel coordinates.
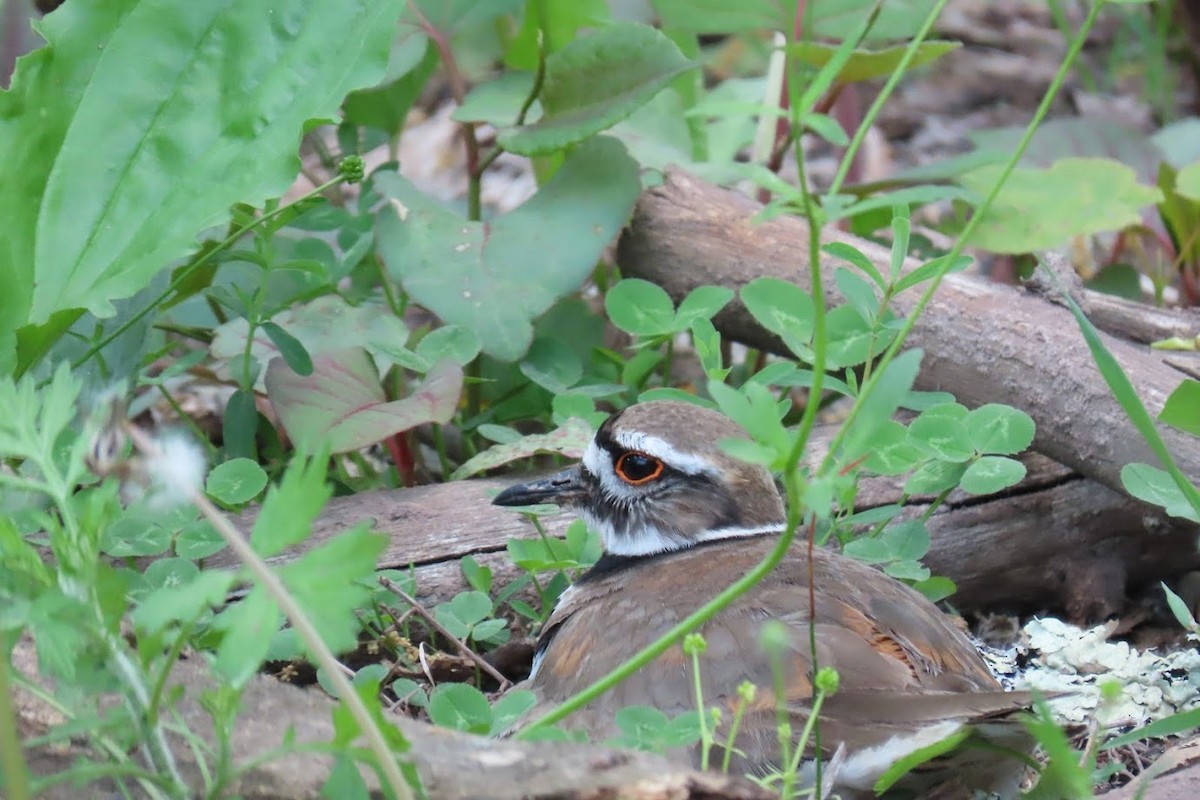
{"type": "Point", "coordinates": [650, 540]}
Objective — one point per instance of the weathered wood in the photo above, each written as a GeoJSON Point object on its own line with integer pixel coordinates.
{"type": "Point", "coordinates": [1056, 541]}
{"type": "Point", "coordinates": [452, 766]}
{"type": "Point", "coordinates": [984, 342]}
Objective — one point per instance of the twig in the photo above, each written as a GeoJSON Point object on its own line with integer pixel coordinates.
{"type": "Point", "coordinates": [437, 626]}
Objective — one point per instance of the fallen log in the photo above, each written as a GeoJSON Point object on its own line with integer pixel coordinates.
{"type": "Point", "coordinates": [1055, 542]}
{"type": "Point", "coordinates": [984, 342]}
{"type": "Point", "coordinates": [452, 765]}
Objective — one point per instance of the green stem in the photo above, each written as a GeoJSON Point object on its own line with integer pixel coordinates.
{"type": "Point", "coordinates": [265, 577]}
{"type": "Point", "coordinates": [187, 272]}
{"type": "Point", "coordinates": [1043, 108]}
{"type": "Point", "coordinates": [13, 768]}
{"type": "Point", "coordinates": [889, 86]}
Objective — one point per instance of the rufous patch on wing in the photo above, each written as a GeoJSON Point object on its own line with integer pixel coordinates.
{"type": "Point", "coordinates": [880, 642]}
{"type": "Point", "coordinates": [569, 649]}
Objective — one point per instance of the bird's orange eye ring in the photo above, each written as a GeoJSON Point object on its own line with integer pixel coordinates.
{"type": "Point", "coordinates": [637, 468]}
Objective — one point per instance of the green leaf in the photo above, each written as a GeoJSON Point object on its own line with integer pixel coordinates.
{"type": "Point", "coordinates": [1187, 182]}
{"type": "Point", "coordinates": [868, 549]}
{"type": "Point", "coordinates": [991, 474]}
{"type": "Point", "coordinates": [1105, 196]}
{"type": "Point", "coordinates": [460, 707]}
{"type": "Point", "coordinates": [342, 405]}
{"type": "Point", "coordinates": [865, 64]}
{"type": "Point", "coordinates": [907, 540]}
{"type": "Point", "coordinates": [640, 307]}
{"type": "Point", "coordinates": [852, 339]}
{"type": "Point", "coordinates": [290, 507]}
{"type": "Point", "coordinates": [1157, 487]}
{"type": "Point", "coordinates": [496, 278]}
{"type": "Point", "coordinates": [552, 364]}
{"type": "Point", "coordinates": [197, 540]}
{"type": "Point", "coordinates": [290, 348]}
{"type": "Point", "coordinates": [477, 575]}
{"type": "Point", "coordinates": [237, 481]}
{"type": "Point", "coordinates": [240, 425]}
{"type": "Point", "coordinates": [936, 588]}
{"type": "Point", "coordinates": [196, 102]}
{"type": "Point", "coordinates": [570, 440]}
{"type": "Point", "coordinates": [783, 308]}
{"type": "Point", "coordinates": [1000, 429]}
{"type": "Point", "coordinates": [594, 82]}
{"type": "Point", "coordinates": [555, 23]}
{"type": "Point", "coordinates": [1182, 409]}
{"type": "Point", "coordinates": [701, 303]}
{"type": "Point", "coordinates": [942, 432]}
{"type": "Point", "coordinates": [497, 101]}
{"type": "Point", "coordinates": [170, 573]}
{"type": "Point", "coordinates": [877, 408]}
{"type": "Point", "coordinates": [1179, 608]}
{"type": "Point", "coordinates": [411, 62]}
{"type": "Point", "coordinates": [935, 477]}
{"type": "Point", "coordinates": [509, 708]}
{"type": "Point", "coordinates": [919, 756]}
{"type": "Point", "coordinates": [928, 270]}
{"type": "Point", "coordinates": [135, 535]}
{"type": "Point", "coordinates": [856, 257]}
{"type": "Point", "coordinates": [892, 454]}
{"type": "Point", "coordinates": [1179, 722]}
{"type": "Point", "coordinates": [471, 607]}
{"type": "Point", "coordinates": [858, 293]}
{"type": "Point", "coordinates": [331, 582]}
{"type": "Point", "coordinates": [454, 342]}
{"type": "Point", "coordinates": [323, 325]}
{"type": "Point", "coordinates": [182, 603]}
{"type": "Point", "coordinates": [907, 570]}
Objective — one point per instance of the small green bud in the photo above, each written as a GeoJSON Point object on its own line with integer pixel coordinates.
{"type": "Point", "coordinates": [827, 680]}
{"type": "Point", "coordinates": [774, 637]}
{"type": "Point", "coordinates": [747, 691]}
{"type": "Point", "coordinates": [714, 718]}
{"type": "Point", "coordinates": [352, 169]}
{"type": "Point", "coordinates": [694, 644]}
{"type": "Point", "coordinates": [1111, 691]}
{"type": "Point", "coordinates": [784, 731]}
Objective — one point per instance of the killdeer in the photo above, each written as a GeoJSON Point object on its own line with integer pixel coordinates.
{"type": "Point", "coordinates": [681, 520]}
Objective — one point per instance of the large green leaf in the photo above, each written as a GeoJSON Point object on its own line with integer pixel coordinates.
{"type": "Point", "coordinates": [496, 277]}
{"type": "Point", "coordinates": [167, 113]}
{"type": "Point", "coordinates": [898, 19]}
{"type": "Point", "coordinates": [595, 82]}
{"type": "Point", "coordinates": [1039, 209]}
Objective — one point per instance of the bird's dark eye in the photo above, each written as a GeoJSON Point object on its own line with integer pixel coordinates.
{"type": "Point", "coordinates": [637, 468]}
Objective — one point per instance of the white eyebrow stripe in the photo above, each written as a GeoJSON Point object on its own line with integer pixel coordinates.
{"type": "Point", "coordinates": [686, 463]}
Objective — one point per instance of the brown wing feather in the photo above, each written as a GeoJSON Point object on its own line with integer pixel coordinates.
{"type": "Point", "coordinates": [901, 662]}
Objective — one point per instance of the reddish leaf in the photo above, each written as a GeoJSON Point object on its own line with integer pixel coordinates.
{"type": "Point", "coordinates": [342, 404]}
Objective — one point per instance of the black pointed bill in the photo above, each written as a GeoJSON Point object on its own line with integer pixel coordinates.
{"type": "Point", "coordinates": [563, 488]}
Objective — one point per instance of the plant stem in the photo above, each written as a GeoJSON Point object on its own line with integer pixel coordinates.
{"type": "Point", "coordinates": [12, 763]}
{"type": "Point", "coordinates": [1051, 92]}
{"type": "Point", "coordinates": [660, 645]}
{"type": "Point", "coordinates": [187, 271]}
{"type": "Point", "coordinates": [271, 583]}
